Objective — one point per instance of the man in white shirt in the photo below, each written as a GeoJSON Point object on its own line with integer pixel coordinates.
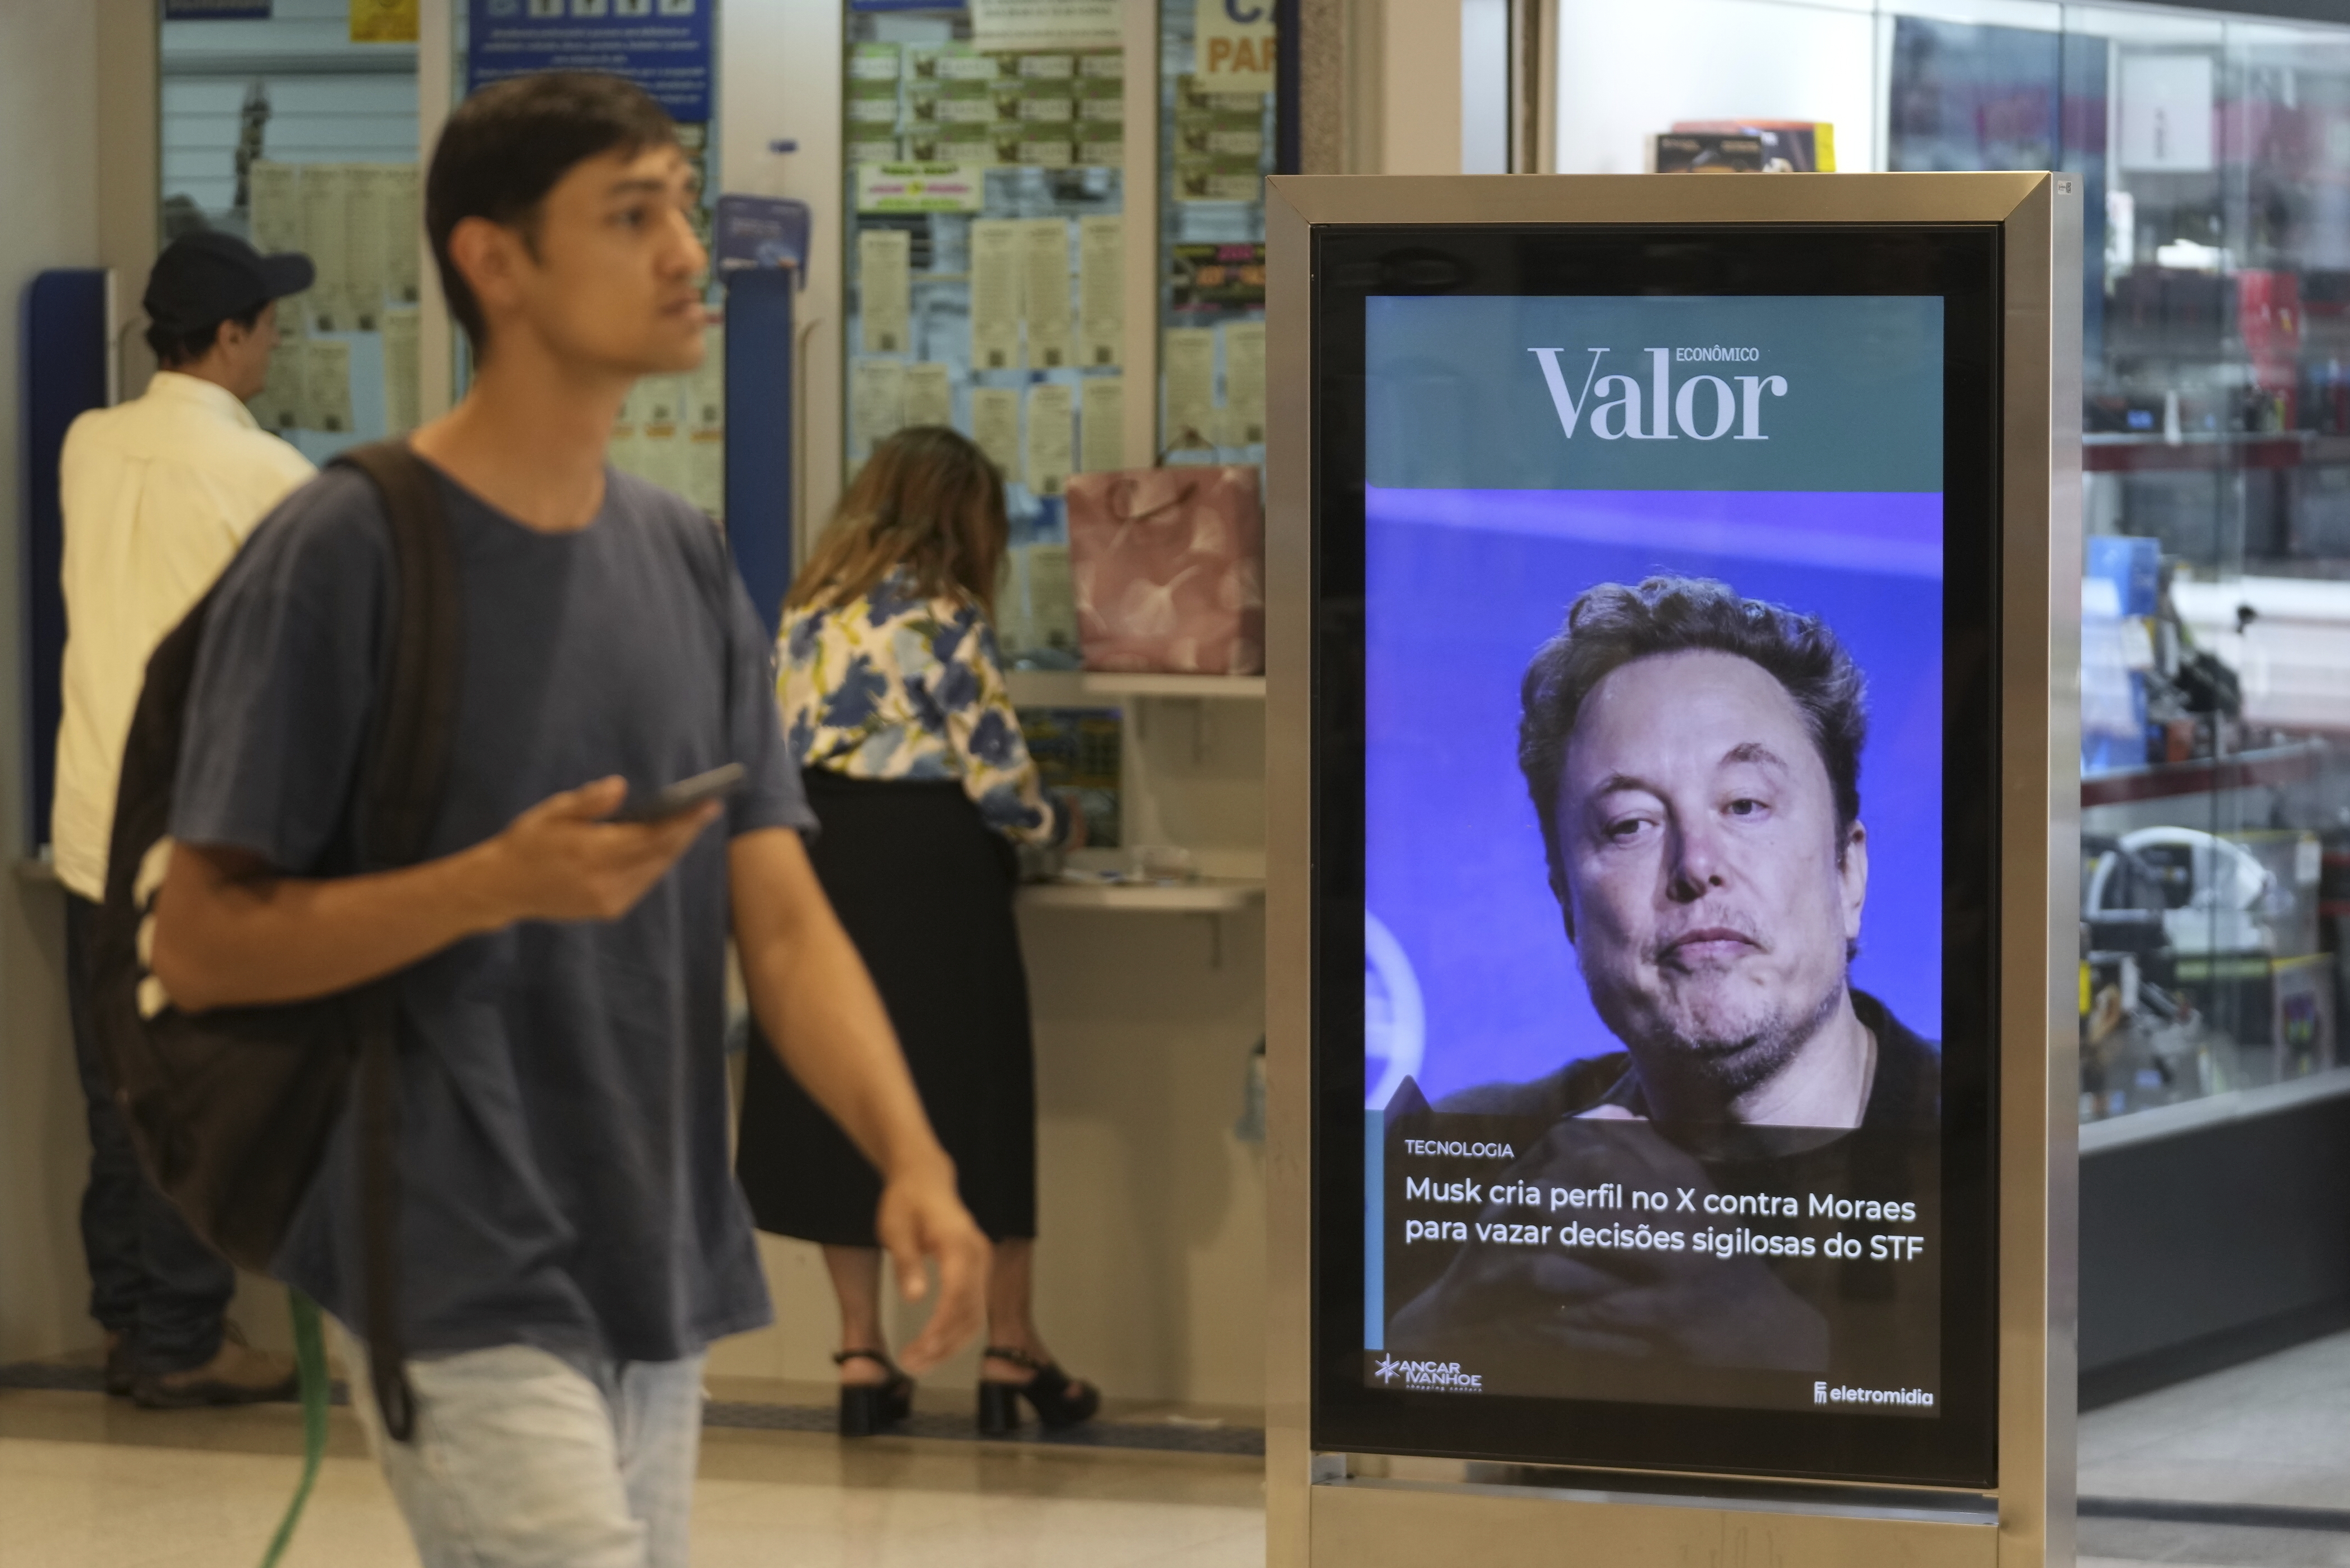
{"type": "Point", "coordinates": [158, 494]}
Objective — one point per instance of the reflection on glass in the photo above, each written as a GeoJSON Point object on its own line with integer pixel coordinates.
{"type": "Point", "coordinates": [2215, 160]}
{"type": "Point", "coordinates": [986, 274]}
{"type": "Point", "coordinates": [1216, 146]}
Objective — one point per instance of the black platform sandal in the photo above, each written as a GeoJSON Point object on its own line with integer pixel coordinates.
{"type": "Point", "coordinates": [1060, 1400]}
{"type": "Point", "coordinates": [870, 1407]}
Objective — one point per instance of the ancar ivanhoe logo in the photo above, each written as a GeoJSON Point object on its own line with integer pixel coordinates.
{"type": "Point", "coordinates": [1441, 1376]}
{"type": "Point", "coordinates": [1703, 408]}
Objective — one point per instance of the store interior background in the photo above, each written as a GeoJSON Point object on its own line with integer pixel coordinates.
{"type": "Point", "coordinates": [2217, 1157]}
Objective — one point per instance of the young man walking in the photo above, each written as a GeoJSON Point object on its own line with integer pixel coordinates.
{"type": "Point", "coordinates": [571, 1238]}
{"type": "Point", "coordinates": [158, 493]}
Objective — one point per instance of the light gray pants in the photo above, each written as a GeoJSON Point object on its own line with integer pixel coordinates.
{"type": "Point", "coordinates": [523, 1459]}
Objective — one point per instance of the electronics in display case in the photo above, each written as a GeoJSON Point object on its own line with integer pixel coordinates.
{"type": "Point", "coordinates": [1683, 1004]}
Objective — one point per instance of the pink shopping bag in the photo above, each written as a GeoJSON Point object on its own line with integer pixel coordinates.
{"type": "Point", "coordinates": [1168, 569]}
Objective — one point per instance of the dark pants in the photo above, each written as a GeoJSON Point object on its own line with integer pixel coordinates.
{"type": "Point", "coordinates": [150, 1277]}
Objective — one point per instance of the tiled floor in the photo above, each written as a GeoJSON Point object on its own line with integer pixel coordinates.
{"type": "Point", "coordinates": [2275, 1431]}
{"type": "Point", "coordinates": [88, 1483]}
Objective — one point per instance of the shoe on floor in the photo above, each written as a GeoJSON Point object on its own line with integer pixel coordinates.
{"type": "Point", "coordinates": [120, 1371]}
{"type": "Point", "coordinates": [239, 1375]}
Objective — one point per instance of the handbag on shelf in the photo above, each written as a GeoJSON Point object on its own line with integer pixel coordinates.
{"type": "Point", "coordinates": [1166, 567]}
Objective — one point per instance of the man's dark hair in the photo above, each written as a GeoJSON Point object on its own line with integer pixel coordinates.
{"type": "Point", "coordinates": [174, 349]}
{"type": "Point", "coordinates": [1611, 625]}
{"type": "Point", "coordinates": [508, 145]}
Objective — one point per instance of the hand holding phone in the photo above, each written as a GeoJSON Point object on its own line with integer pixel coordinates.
{"type": "Point", "coordinates": [683, 796]}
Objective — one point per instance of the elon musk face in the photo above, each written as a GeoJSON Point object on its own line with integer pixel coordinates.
{"type": "Point", "coordinates": [1712, 900]}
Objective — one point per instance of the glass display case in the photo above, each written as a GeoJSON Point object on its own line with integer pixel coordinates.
{"type": "Point", "coordinates": [2216, 602]}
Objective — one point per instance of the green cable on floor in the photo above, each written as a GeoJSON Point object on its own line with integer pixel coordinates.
{"type": "Point", "coordinates": [310, 1351]}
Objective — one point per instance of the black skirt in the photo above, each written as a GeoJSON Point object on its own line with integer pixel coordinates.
{"type": "Point", "coordinates": [924, 890]}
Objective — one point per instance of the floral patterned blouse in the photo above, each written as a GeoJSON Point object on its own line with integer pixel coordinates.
{"type": "Point", "coordinates": [892, 686]}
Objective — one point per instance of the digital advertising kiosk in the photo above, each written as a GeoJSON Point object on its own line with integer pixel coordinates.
{"type": "Point", "coordinates": [1674, 587]}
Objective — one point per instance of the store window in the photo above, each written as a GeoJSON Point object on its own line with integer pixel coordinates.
{"type": "Point", "coordinates": [2216, 501]}
{"type": "Point", "coordinates": [987, 182]}
{"type": "Point", "coordinates": [2212, 152]}
{"type": "Point", "coordinates": [282, 129]}
{"type": "Point", "coordinates": [1216, 146]}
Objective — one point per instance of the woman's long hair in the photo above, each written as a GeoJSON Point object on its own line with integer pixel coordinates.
{"type": "Point", "coordinates": [926, 500]}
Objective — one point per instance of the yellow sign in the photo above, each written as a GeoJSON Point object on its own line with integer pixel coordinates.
{"type": "Point", "coordinates": [384, 21]}
{"type": "Point", "coordinates": [1233, 45]}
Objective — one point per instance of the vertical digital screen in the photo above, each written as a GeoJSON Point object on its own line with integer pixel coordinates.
{"type": "Point", "coordinates": [1653, 854]}
{"type": "Point", "coordinates": [1669, 1074]}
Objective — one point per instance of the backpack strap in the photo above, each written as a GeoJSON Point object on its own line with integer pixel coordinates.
{"type": "Point", "coordinates": [398, 802]}
{"type": "Point", "coordinates": [416, 725]}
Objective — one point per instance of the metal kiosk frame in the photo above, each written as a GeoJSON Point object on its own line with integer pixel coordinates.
{"type": "Point", "coordinates": [1366, 1510]}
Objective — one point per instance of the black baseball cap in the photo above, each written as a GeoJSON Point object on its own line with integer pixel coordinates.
{"type": "Point", "coordinates": [204, 278]}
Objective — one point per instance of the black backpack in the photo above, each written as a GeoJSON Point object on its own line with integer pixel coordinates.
{"type": "Point", "coordinates": [230, 1109]}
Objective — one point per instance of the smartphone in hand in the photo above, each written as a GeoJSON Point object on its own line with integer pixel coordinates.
{"type": "Point", "coordinates": [683, 796]}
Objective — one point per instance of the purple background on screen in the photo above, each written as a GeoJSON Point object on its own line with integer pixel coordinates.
{"type": "Point", "coordinates": [1464, 585]}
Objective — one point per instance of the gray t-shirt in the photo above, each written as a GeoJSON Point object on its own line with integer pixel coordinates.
{"type": "Point", "coordinates": [563, 1110]}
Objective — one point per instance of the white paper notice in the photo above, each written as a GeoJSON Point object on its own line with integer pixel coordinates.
{"type": "Point", "coordinates": [705, 422]}
{"type": "Point", "coordinates": [995, 293]}
{"type": "Point", "coordinates": [662, 456]}
{"type": "Point", "coordinates": [876, 401]}
{"type": "Point", "coordinates": [2165, 113]}
{"type": "Point", "coordinates": [995, 427]}
{"type": "Point", "coordinates": [884, 287]}
{"type": "Point", "coordinates": [326, 385]}
{"type": "Point", "coordinates": [280, 406]}
{"type": "Point", "coordinates": [705, 471]}
{"type": "Point", "coordinates": [364, 244]}
{"type": "Point", "coordinates": [1044, 255]}
{"type": "Point", "coordinates": [1014, 633]}
{"type": "Point", "coordinates": [401, 391]}
{"type": "Point", "coordinates": [1189, 359]}
{"type": "Point", "coordinates": [403, 233]}
{"type": "Point", "coordinates": [275, 193]}
{"type": "Point", "coordinates": [627, 452]}
{"type": "Point", "coordinates": [326, 235]}
{"type": "Point", "coordinates": [929, 394]}
{"type": "Point", "coordinates": [1101, 291]}
{"type": "Point", "coordinates": [1244, 383]}
{"type": "Point", "coordinates": [706, 393]}
{"type": "Point", "coordinates": [1045, 25]}
{"type": "Point", "coordinates": [1101, 425]}
{"type": "Point", "coordinates": [1048, 446]}
{"type": "Point", "coordinates": [1052, 599]}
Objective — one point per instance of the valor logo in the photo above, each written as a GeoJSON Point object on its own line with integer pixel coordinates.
{"type": "Point", "coordinates": [1612, 405]}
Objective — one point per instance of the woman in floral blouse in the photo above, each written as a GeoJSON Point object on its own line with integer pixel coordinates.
{"type": "Point", "coordinates": [894, 698]}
